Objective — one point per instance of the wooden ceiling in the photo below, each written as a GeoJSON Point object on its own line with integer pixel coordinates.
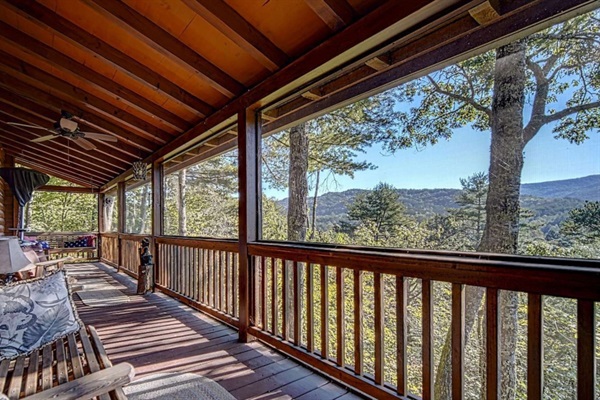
{"type": "Point", "coordinates": [159, 74]}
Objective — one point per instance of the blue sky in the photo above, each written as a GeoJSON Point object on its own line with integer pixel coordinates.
{"type": "Point", "coordinates": [467, 152]}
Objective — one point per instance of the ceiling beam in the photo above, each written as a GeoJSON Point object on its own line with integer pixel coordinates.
{"type": "Point", "coordinates": [60, 148]}
{"type": "Point", "coordinates": [148, 134]}
{"type": "Point", "coordinates": [111, 152]}
{"type": "Point", "coordinates": [47, 19]}
{"type": "Point", "coordinates": [57, 148]}
{"type": "Point", "coordinates": [390, 17]}
{"type": "Point", "coordinates": [231, 24]}
{"type": "Point", "coordinates": [88, 177]}
{"type": "Point", "coordinates": [204, 155]}
{"type": "Point", "coordinates": [126, 145]}
{"type": "Point", "coordinates": [66, 64]}
{"type": "Point", "coordinates": [460, 39]}
{"type": "Point", "coordinates": [37, 152]}
{"type": "Point", "coordinates": [163, 42]}
{"type": "Point", "coordinates": [51, 171]}
{"type": "Point", "coordinates": [67, 189]}
{"type": "Point", "coordinates": [335, 13]}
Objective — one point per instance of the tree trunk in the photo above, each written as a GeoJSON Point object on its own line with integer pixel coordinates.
{"type": "Point", "coordinates": [298, 184]}
{"type": "Point", "coordinates": [143, 209]}
{"type": "Point", "coordinates": [313, 223]}
{"type": "Point", "coordinates": [500, 234]}
{"type": "Point", "coordinates": [182, 214]}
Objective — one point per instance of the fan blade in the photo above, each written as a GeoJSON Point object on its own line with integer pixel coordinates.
{"type": "Point", "coordinates": [26, 125]}
{"type": "Point", "coordinates": [83, 143]}
{"type": "Point", "coordinates": [100, 136]}
{"type": "Point", "coordinates": [43, 138]}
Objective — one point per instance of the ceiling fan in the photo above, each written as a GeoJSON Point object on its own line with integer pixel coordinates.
{"type": "Point", "coordinates": [68, 128]}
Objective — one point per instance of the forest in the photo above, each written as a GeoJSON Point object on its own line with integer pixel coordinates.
{"type": "Point", "coordinates": [544, 84]}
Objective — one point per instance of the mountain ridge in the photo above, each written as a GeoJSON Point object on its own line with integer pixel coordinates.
{"type": "Point", "coordinates": [550, 200]}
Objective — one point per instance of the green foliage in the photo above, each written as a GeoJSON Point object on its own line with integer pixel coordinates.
{"type": "Point", "coordinates": [379, 211]}
{"type": "Point", "coordinates": [583, 224]}
{"type": "Point", "coordinates": [62, 212]}
{"type": "Point", "coordinates": [211, 200]}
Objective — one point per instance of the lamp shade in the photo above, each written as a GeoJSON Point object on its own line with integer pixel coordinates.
{"type": "Point", "coordinates": [12, 258]}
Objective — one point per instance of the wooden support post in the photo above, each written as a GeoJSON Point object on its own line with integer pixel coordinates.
{"type": "Point", "coordinates": [157, 214]}
{"type": "Point", "coordinates": [249, 183]}
{"type": "Point", "coordinates": [121, 220]}
{"type": "Point", "coordinates": [101, 224]}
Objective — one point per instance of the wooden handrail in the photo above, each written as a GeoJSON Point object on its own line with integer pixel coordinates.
{"type": "Point", "coordinates": [554, 280]}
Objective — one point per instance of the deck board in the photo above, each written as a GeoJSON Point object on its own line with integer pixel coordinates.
{"type": "Point", "coordinates": [156, 333]}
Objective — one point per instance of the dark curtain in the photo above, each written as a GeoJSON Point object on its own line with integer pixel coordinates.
{"type": "Point", "coordinates": [23, 182]}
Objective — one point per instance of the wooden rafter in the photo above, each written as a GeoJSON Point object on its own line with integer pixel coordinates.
{"type": "Point", "coordinates": [84, 40]}
{"type": "Point", "coordinates": [128, 143]}
{"type": "Point", "coordinates": [52, 171]}
{"type": "Point", "coordinates": [106, 150]}
{"type": "Point", "coordinates": [28, 44]}
{"type": "Point", "coordinates": [148, 135]}
{"type": "Point", "coordinates": [240, 31]}
{"type": "Point", "coordinates": [335, 13]}
{"type": "Point", "coordinates": [161, 40]}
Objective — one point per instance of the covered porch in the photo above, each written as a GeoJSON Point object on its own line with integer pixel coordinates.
{"type": "Point", "coordinates": [170, 86]}
{"type": "Point", "coordinates": [157, 334]}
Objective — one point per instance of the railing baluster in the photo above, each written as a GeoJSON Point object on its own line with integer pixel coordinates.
{"type": "Point", "coordinates": [274, 300]}
{"type": "Point", "coordinates": [492, 344]}
{"type": "Point", "coordinates": [401, 321]}
{"type": "Point", "coordinates": [285, 299]}
{"type": "Point", "coordinates": [310, 312]}
{"type": "Point", "coordinates": [458, 340]}
{"type": "Point", "coordinates": [263, 292]}
{"type": "Point", "coordinates": [341, 318]}
{"type": "Point", "coordinates": [221, 281]}
{"type": "Point", "coordinates": [195, 273]}
{"type": "Point", "coordinates": [297, 305]}
{"type": "Point", "coordinates": [427, 321]}
{"type": "Point", "coordinates": [358, 315]}
{"type": "Point", "coordinates": [235, 286]}
{"type": "Point", "coordinates": [586, 363]}
{"type": "Point", "coordinates": [379, 331]}
{"type": "Point", "coordinates": [534, 347]}
{"type": "Point", "coordinates": [324, 312]}
{"type": "Point", "coordinates": [227, 283]}
{"type": "Point", "coordinates": [216, 281]}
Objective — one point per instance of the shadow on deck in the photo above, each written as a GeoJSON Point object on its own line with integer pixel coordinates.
{"type": "Point", "coordinates": [155, 333]}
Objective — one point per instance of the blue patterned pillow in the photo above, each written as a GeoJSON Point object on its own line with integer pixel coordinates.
{"type": "Point", "coordinates": [34, 313]}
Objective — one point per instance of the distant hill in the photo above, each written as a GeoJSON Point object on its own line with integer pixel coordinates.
{"type": "Point", "coordinates": [586, 188]}
{"type": "Point", "coordinates": [550, 201]}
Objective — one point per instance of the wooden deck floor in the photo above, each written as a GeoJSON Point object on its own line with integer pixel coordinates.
{"type": "Point", "coordinates": [158, 334]}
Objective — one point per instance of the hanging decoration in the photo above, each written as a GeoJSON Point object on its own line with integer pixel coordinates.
{"type": "Point", "coordinates": [140, 170]}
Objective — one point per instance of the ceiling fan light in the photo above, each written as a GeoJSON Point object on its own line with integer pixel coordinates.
{"type": "Point", "coordinates": [68, 125]}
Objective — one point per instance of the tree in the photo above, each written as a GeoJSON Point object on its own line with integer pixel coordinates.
{"type": "Point", "coordinates": [381, 207]}
{"type": "Point", "coordinates": [332, 143]}
{"type": "Point", "coordinates": [583, 224]}
{"type": "Point", "coordinates": [492, 92]}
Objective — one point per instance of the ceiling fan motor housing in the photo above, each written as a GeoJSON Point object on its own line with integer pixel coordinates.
{"type": "Point", "coordinates": [68, 125]}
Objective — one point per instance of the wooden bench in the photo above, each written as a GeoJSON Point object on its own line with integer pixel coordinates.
{"type": "Point", "coordinates": [57, 249]}
{"type": "Point", "coordinates": [75, 367]}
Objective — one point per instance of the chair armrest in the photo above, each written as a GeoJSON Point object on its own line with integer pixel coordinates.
{"type": "Point", "coordinates": [53, 262]}
{"type": "Point", "coordinates": [89, 386]}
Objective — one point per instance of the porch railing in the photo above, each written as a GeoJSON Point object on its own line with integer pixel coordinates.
{"type": "Point", "coordinates": [109, 248]}
{"type": "Point", "coordinates": [345, 311]}
{"type": "Point", "coordinates": [130, 259]}
{"type": "Point", "coordinates": [201, 273]}
{"type": "Point", "coordinates": [313, 304]}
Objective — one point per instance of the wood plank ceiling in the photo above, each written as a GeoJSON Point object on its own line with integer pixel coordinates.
{"type": "Point", "coordinates": [155, 74]}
